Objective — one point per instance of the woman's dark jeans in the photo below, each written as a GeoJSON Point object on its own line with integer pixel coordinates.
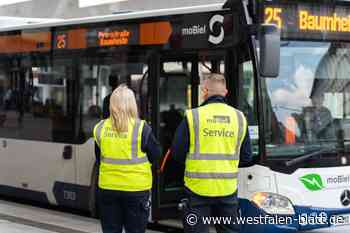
{"type": "Point", "coordinates": [128, 210]}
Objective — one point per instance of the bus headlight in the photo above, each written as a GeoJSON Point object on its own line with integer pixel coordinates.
{"type": "Point", "coordinates": [273, 203]}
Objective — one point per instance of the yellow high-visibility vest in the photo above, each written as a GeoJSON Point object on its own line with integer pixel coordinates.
{"type": "Point", "coordinates": [123, 166]}
{"type": "Point", "coordinates": [216, 134]}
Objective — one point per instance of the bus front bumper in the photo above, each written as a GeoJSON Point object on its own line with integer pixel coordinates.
{"type": "Point", "coordinates": [305, 218]}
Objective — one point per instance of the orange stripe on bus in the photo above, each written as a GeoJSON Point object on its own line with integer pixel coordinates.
{"type": "Point", "coordinates": [26, 42]}
{"type": "Point", "coordinates": [77, 39]}
{"type": "Point", "coordinates": [155, 33]}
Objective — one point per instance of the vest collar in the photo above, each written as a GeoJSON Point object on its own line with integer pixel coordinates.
{"type": "Point", "coordinates": [214, 99]}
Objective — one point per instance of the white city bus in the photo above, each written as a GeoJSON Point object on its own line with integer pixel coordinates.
{"type": "Point", "coordinates": [54, 78]}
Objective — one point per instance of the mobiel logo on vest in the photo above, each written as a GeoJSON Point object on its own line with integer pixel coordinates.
{"type": "Point", "coordinates": [218, 133]}
{"type": "Point", "coordinates": [219, 119]}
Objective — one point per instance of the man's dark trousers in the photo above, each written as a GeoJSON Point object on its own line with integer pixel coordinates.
{"type": "Point", "coordinates": [199, 207]}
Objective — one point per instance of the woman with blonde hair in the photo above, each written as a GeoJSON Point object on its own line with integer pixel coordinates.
{"type": "Point", "coordinates": [126, 149]}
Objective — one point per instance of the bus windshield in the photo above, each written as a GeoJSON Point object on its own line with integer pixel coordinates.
{"type": "Point", "coordinates": [307, 107]}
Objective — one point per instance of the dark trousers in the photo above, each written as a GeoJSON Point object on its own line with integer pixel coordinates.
{"type": "Point", "coordinates": [199, 207]}
{"type": "Point", "coordinates": [128, 210]}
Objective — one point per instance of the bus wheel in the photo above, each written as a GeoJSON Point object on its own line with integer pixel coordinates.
{"type": "Point", "coordinates": [93, 203]}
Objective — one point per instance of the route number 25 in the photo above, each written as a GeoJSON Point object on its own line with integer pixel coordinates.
{"type": "Point", "coordinates": [273, 16]}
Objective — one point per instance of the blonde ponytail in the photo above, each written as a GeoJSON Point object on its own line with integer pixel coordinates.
{"type": "Point", "coordinates": [123, 108]}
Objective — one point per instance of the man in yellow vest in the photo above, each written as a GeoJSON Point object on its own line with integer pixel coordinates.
{"type": "Point", "coordinates": [213, 142]}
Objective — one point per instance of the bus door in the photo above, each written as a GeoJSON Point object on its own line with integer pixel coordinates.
{"type": "Point", "coordinates": [179, 90]}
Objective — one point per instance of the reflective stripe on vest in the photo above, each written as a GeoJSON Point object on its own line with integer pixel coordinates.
{"type": "Point", "coordinates": [98, 129]}
{"type": "Point", "coordinates": [202, 175]}
{"type": "Point", "coordinates": [125, 161]}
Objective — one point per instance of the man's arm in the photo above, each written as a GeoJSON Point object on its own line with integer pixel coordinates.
{"type": "Point", "coordinates": [150, 145]}
{"type": "Point", "coordinates": [246, 156]}
{"type": "Point", "coordinates": [181, 142]}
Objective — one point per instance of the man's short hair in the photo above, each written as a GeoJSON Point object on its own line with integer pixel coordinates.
{"type": "Point", "coordinates": [216, 78]}
{"type": "Point", "coordinates": [216, 84]}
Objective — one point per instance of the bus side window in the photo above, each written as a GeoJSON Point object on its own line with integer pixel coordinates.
{"type": "Point", "coordinates": [99, 75]}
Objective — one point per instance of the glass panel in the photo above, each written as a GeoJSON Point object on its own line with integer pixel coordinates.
{"type": "Point", "coordinates": [99, 75]}
{"type": "Point", "coordinates": [175, 98]}
{"type": "Point", "coordinates": [248, 105]}
{"type": "Point", "coordinates": [307, 106]}
{"type": "Point", "coordinates": [37, 100]}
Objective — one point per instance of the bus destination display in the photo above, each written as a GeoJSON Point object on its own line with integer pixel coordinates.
{"type": "Point", "coordinates": [309, 20]}
{"type": "Point", "coordinates": [115, 36]}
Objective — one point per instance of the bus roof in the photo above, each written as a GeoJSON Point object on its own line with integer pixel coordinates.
{"type": "Point", "coordinates": [116, 17]}
{"type": "Point", "coordinates": [8, 21]}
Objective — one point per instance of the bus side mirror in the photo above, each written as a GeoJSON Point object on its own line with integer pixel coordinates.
{"type": "Point", "coordinates": [269, 44]}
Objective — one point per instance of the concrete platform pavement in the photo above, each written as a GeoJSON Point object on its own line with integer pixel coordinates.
{"type": "Point", "coordinates": [23, 218]}
{"type": "Point", "coordinates": [19, 218]}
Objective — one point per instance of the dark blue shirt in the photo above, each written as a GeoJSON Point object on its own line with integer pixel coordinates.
{"type": "Point", "coordinates": [149, 145]}
{"type": "Point", "coordinates": [181, 142]}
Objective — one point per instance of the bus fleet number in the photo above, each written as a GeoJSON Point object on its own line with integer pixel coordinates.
{"type": "Point", "coordinates": [69, 195]}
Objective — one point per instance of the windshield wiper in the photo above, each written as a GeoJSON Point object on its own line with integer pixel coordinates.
{"type": "Point", "coordinates": [308, 156]}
